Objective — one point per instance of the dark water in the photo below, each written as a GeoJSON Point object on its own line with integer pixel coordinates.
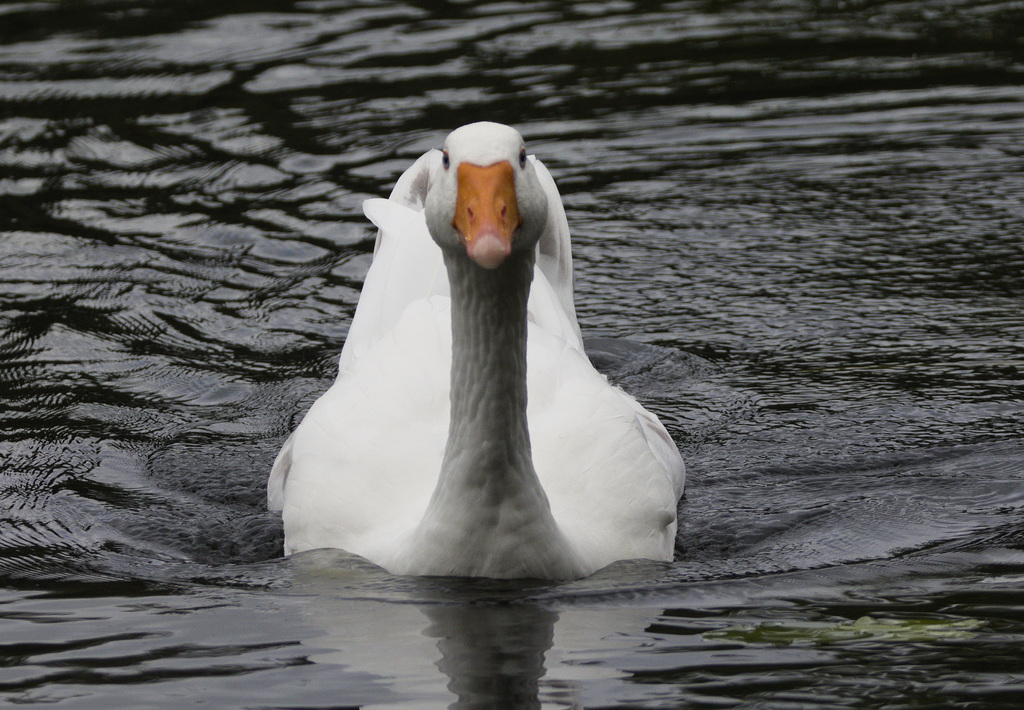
{"type": "Point", "coordinates": [799, 238]}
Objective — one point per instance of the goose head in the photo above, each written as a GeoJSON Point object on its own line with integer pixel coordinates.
{"type": "Point", "coordinates": [484, 198]}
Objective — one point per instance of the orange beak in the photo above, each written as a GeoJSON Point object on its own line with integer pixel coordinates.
{"type": "Point", "coordinates": [486, 212]}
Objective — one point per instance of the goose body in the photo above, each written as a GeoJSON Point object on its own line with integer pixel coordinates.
{"type": "Point", "coordinates": [467, 432]}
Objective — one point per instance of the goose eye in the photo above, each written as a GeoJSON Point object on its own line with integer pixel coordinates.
{"type": "Point", "coordinates": [445, 160]}
{"type": "Point", "coordinates": [522, 158]}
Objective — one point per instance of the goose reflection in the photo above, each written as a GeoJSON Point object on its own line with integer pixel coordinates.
{"type": "Point", "coordinates": [493, 654]}
{"type": "Point", "coordinates": [449, 643]}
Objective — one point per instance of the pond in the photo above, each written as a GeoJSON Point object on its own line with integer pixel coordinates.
{"type": "Point", "coordinates": [797, 234]}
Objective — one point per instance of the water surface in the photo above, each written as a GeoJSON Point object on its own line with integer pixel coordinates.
{"type": "Point", "coordinates": [797, 232]}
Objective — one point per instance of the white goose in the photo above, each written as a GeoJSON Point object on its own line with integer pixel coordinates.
{"type": "Point", "coordinates": [426, 456]}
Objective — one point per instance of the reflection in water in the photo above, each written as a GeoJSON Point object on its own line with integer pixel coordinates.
{"type": "Point", "coordinates": [494, 655]}
{"type": "Point", "coordinates": [470, 643]}
{"type": "Point", "coordinates": [476, 655]}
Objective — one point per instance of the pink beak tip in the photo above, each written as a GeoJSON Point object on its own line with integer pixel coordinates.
{"type": "Point", "coordinates": [488, 250]}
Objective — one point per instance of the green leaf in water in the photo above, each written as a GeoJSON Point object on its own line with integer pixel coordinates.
{"type": "Point", "coordinates": [864, 628]}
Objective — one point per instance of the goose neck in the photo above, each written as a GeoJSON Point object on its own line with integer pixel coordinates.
{"type": "Point", "coordinates": [489, 515]}
{"type": "Point", "coordinates": [488, 438]}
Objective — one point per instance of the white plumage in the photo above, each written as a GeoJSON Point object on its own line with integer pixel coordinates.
{"type": "Point", "coordinates": [363, 471]}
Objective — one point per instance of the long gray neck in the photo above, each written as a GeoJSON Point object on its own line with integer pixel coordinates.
{"type": "Point", "coordinates": [489, 515]}
{"type": "Point", "coordinates": [488, 447]}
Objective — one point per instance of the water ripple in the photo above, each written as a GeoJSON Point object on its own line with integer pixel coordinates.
{"type": "Point", "coordinates": [797, 240]}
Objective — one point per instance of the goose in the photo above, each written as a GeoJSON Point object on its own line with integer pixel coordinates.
{"type": "Point", "coordinates": [467, 433]}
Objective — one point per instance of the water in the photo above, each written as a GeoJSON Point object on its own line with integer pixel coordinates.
{"type": "Point", "coordinates": [798, 240]}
